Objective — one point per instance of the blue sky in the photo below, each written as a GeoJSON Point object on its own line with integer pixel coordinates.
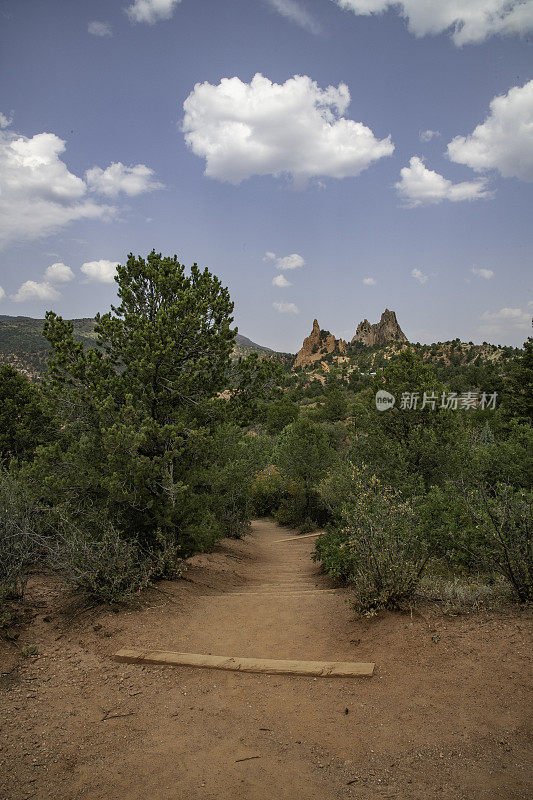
{"type": "Point", "coordinates": [99, 157]}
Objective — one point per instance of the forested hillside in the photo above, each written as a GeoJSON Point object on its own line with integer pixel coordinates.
{"type": "Point", "coordinates": [23, 345]}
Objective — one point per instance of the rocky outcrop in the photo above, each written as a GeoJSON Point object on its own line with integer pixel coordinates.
{"type": "Point", "coordinates": [321, 343]}
{"type": "Point", "coordinates": [318, 344]}
{"type": "Point", "coordinates": [384, 331]}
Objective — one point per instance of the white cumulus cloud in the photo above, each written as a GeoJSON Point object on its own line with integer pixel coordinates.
{"type": "Point", "coordinates": [420, 185]}
{"type": "Point", "coordinates": [296, 13]}
{"type": "Point", "coordinates": [469, 21]}
{"type": "Point", "coordinates": [419, 276]}
{"type": "Point", "coordinates": [281, 281]}
{"type": "Point", "coordinates": [58, 273]}
{"type": "Point", "coordinates": [2, 293]}
{"type": "Point", "coordinates": [369, 281]}
{"type": "Point", "coordinates": [264, 128]}
{"type": "Point", "coordinates": [294, 261]}
{"type": "Point", "coordinates": [38, 194]}
{"type": "Point", "coordinates": [119, 178]}
{"type": "Point", "coordinates": [286, 308]}
{"type": "Point", "coordinates": [32, 290]}
{"type": "Point", "coordinates": [505, 140]}
{"type": "Point", "coordinates": [151, 10]}
{"type": "Point", "coordinates": [100, 28]}
{"type": "Point", "coordinates": [44, 290]}
{"type": "Point", "coordinates": [102, 271]}
{"type": "Point", "coordinates": [481, 272]}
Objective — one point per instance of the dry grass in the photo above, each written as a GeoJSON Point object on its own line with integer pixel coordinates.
{"type": "Point", "coordinates": [462, 594]}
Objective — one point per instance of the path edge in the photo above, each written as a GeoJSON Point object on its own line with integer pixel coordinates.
{"type": "Point", "coordinates": [268, 666]}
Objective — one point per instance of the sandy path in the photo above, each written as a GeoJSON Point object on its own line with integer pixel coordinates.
{"type": "Point", "coordinates": [279, 611]}
{"type": "Point", "coordinates": [446, 715]}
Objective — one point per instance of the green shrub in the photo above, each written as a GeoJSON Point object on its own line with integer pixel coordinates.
{"type": "Point", "coordinates": [279, 414]}
{"type": "Point", "coordinates": [23, 421]}
{"type": "Point", "coordinates": [20, 537]}
{"type": "Point", "coordinates": [105, 567]}
{"type": "Point", "coordinates": [504, 534]}
{"type": "Point", "coordinates": [166, 560]}
{"type": "Point", "coordinates": [231, 458]}
{"type": "Point", "coordinates": [335, 405]}
{"type": "Point", "coordinates": [448, 527]}
{"type": "Point", "coordinates": [303, 454]}
{"type": "Point", "coordinates": [335, 490]}
{"type": "Point", "coordinates": [379, 551]}
{"type": "Point", "coordinates": [268, 488]}
{"type": "Point", "coordinates": [294, 508]}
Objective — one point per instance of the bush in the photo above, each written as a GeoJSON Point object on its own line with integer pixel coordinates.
{"type": "Point", "coordinates": [166, 561]}
{"type": "Point", "coordinates": [504, 540]}
{"type": "Point", "coordinates": [20, 537]}
{"type": "Point", "coordinates": [448, 527]}
{"type": "Point", "coordinates": [335, 405]}
{"type": "Point", "coordinates": [279, 414]}
{"type": "Point", "coordinates": [379, 551]}
{"type": "Point", "coordinates": [302, 509]}
{"type": "Point", "coordinates": [303, 454]}
{"type": "Point", "coordinates": [408, 449]}
{"type": "Point", "coordinates": [105, 567]}
{"type": "Point", "coordinates": [231, 458]}
{"type": "Point", "coordinates": [285, 499]}
{"type": "Point", "coordinates": [295, 508]}
{"type": "Point", "coordinates": [268, 488]}
{"type": "Point", "coordinates": [336, 489]}
{"type": "Point", "coordinates": [23, 421]}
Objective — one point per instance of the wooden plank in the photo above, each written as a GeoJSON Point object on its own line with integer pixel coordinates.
{"type": "Point", "coordinates": [296, 538]}
{"type": "Point", "coordinates": [269, 666]}
{"type": "Point", "coordinates": [310, 584]}
{"type": "Point", "coordinates": [280, 587]}
{"type": "Point", "coordinates": [274, 593]}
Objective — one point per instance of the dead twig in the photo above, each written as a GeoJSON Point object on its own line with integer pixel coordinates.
{"type": "Point", "coordinates": [109, 715]}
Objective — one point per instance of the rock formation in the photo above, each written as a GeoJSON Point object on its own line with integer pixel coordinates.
{"type": "Point", "coordinates": [318, 344]}
{"type": "Point", "coordinates": [321, 343]}
{"type": "Point", "coordinates": [386, 330]}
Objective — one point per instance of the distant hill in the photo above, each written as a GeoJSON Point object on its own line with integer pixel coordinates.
{"type": "Point", "coordinates": [23, 345]}
{"type": "Point", "coordinates": [245, 346]}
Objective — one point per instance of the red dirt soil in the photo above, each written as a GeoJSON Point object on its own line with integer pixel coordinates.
{"type": "Point", "coordinates": [445, 715]}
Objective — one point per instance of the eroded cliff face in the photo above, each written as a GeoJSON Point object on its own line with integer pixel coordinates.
{"type": "Point", "coordinates": [318, 344]}
{"type": "Point", "coordinates": [384, 331]}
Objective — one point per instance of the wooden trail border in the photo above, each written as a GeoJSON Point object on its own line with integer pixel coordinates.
{"type": "Point", "coordinates": [296, 538]}
{"type": "Point", "coordinates": [275, 594]}
{"type": "Point", "coordinates": [268, 666]}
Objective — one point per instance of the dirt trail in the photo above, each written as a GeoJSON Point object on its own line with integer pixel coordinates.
{"type": "Point", "coordinates": [278, 611]}
{"type": "Point", "coordinates": [444, 717]}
